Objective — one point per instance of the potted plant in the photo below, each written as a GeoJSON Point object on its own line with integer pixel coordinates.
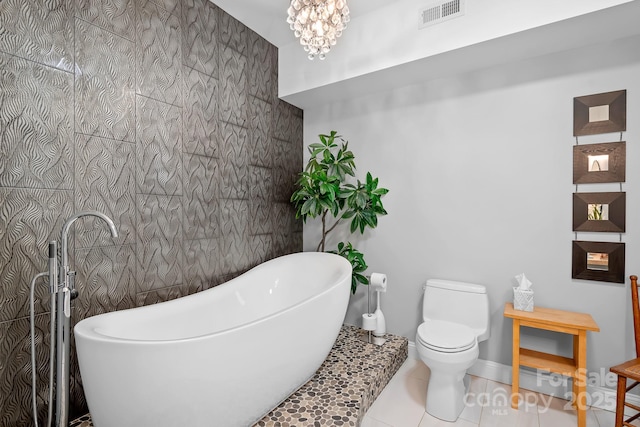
{"type": "Point", "coordinates": [326, 189]}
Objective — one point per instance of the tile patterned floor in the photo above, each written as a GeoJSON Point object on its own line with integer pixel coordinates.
{"type": "Point", "coordinates": [402, 402]}
{"type": "Point", "coordinates": [343, 388]}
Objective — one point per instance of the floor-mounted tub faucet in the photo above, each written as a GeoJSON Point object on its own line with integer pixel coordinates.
{"type": "Point", "coordinates": [65, 293]}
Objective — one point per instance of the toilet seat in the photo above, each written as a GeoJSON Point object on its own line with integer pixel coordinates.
{"type": "Point", "coordinates": [446, 337]}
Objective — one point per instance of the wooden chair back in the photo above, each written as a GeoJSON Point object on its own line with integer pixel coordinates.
{"type": "Point", "coordinates": [636, 312]}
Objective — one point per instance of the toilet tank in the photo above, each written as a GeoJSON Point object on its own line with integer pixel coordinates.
{"type": "Point", "coordinates": [458, 302]}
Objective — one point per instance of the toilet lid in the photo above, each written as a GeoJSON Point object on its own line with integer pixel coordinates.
{"type": "Point", "coordinates": [447, 337]}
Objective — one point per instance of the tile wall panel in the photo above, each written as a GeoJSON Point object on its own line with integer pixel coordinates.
{"type": "Point", "coordinates": [200, 113]}
{"type": "Point", "coordinates": [29, 220]}
{"type": "Point", "coordinates": [261, 183]}
{"type": "Point", "coordinates": [201, 181]}
{"type": "Point", "coordinates": [15, 370]}
{"type": "Point", "coordinates": [260, 218]}
{"type": "Point", "coordinates": [159, 249]}
{"type": "Point", "coordinates": [171, 6]}
{"type": "Point", "coordinates": [261, 248]}
{"type": "Point", "coordinates": [262, 56]}
{"type": "Point", "coordinates": [284, 244]}
{"type": "Point", "coordinates": [104, 83]}
{"type": "Point", "coordinates": [285, 236]}
{"type": "Point", "coordinates": [36, 118]}
{"type": "Point", "coordinates": [200, 36]}
{"type": "Point", "coordinates": [39, 31]}
{"type": "Point", "coordinates": [202, 263]}
{"type": "Point", "coordinates": [233, 34]}
{"type": "Point", "coordinates": [261, 186]}
{"type": "Point", "coordinates": [234, 179]}
{"type": "Point", "coordinates": [158, 147]}
{"type": "Point", "coordinates": [282, 121]}
{"type": "Point", "coordinates": [115, 16]}
{"type": "Point", "coordinates": [261, 152]}
{"type": "Point", "coordinates": [171, 125]}
{"type": "Point", "coordinates": [158, 54]}
{"type": "Point", "coordinates": [284, 217]}
{"type": "Point", "coordinates": [234, 242]}
{"type": "Point", "coordinates": [233, 83]}
{"type": "Point", "coordinates": [286, 169]}
{"type": "Point", "coordinates": [105, 181]}
{"type": "Point", "coordinates": [105, 280]}
{"type": "Point", "coordinates": [161, 295]}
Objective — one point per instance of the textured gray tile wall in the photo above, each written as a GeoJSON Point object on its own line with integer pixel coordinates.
{"type": "Point", "coordinates": [164, 115]}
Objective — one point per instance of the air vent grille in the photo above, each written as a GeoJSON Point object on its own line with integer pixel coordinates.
{"type": "Point", "coordinates": [450, 8]}
{"type": "Point", "coordinates": [431, 14]}
{"type": "Point", "coordinates": [439, 12]}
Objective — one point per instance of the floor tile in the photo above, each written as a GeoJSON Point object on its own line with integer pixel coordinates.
{"type": "Point", "coordinates": [401, 403]}
{"type": "Point", "coordinates": [474, 399]}
{"type": "Point", "coordinates": [497, 411]}
{"type": "Point", "coordinates": [559, 412]}
{"type": "Point", "coordinates": [372, 422]}
{"type": "Point", "coordinates": [430, 421]}
{"type": "Point", "coordinates": [415, 368]}
{"type": "Point", "coordinates": [605, 418]}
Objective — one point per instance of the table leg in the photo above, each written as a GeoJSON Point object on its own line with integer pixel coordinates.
{"type": "Point", "coordinates": [515, 369]}
{"type": "Point", "coordinates": [581, 378]}
{"type": "Point", "coordinates": [574, 377]}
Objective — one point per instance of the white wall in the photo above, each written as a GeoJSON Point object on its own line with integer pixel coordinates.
{"type": "Point", "coordinates": [479, 168]}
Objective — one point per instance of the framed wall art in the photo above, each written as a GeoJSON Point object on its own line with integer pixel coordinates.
{"type": "Point", "coordinates": [598, 163]}
{"type": "Point", "coordinates": [600, 113]}
{"type": "Point", "coordinates": [599, 212]}
{"type": "Point", "coordinates": [601, 261]}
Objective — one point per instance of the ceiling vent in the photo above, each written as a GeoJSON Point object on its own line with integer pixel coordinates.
{"type": "Point", "coordinates": [441, 11]}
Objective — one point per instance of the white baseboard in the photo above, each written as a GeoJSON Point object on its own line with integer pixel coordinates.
{"type": "Point", "coordinates": [598, 396]}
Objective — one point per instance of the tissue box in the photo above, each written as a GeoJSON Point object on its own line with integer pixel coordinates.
{"type": "Point", "coordinates": [522, 299]}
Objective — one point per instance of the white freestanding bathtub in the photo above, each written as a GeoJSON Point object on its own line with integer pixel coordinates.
{"type": "Point", "coordinates": [223, 357]}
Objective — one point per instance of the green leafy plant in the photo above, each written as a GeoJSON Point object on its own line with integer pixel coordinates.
{"type": "Point", "coordinates": [358, 265]}
{"type": "Point", "coordinates": [326, 189]}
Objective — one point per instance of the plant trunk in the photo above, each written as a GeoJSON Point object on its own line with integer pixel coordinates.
{"type": "Point", "coordinates": [324, 233]}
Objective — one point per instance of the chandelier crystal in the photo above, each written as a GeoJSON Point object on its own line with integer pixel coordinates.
{"type": "Point", "coordinates": [318, 23]}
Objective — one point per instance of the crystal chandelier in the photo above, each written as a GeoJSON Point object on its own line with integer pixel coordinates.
{"type": "Point", "coordinates": [318, 23]}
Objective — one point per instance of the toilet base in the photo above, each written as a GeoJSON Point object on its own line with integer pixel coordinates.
{"type": "Point", "coordinates": [446, 395]}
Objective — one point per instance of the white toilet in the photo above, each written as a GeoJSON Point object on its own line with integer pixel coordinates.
{"type": "Point", "coordinates": [456, 318]}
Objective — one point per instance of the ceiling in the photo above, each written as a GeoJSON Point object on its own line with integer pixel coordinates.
{"type": "Point", "coordinates": [268, 17]}
{"type": "Point", "coordinates": [337, 82]}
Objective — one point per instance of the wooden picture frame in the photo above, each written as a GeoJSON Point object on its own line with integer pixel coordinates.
{"type": "Point", "coordinates": [601, 261]}
{"type": "Point", "coordinates": [598, 163]}
{"type": "Point", "coordinates": [599, 212]}
{"type": "Point", "coordinates": [600, 113]}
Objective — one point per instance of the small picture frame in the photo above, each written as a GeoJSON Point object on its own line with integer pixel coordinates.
{"type": "Point", "coordinates": [600, 113]}
{"type": "Point", "coordinates": [599, 212]}
{"type": "Point", "coordinates": [599, 163]}
{"type": "Point", "coordinates": [600, 261]}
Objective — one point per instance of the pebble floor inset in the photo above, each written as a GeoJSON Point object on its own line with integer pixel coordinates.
{"type": "Point", "coordinates": [342, 389]}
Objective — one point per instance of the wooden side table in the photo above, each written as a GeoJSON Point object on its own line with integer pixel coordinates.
{"type": "Point", "coordinates": [568, 322]}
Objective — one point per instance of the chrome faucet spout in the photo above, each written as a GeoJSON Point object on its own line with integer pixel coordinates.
{"type": "Point", "coordinates": [65, 292]}
{"type": "Point", "coordinates": [65, 234]}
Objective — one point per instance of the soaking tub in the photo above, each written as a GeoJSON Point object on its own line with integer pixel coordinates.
{"type": "Point", "coordinates": [223, 357]}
